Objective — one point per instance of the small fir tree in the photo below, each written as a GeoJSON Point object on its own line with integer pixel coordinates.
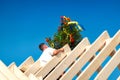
{"type": "Point", "coordinates": [68, 33]}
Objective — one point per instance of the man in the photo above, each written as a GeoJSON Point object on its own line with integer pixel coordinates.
{"type": "Point", "coordinates": [48, 53]}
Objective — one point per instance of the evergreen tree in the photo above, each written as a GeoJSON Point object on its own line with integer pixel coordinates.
{"type": "Point", "coordinates": [68, 33]}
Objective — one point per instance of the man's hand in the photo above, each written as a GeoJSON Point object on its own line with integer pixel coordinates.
{"type": "Point", "coordinates": [58, 51]}
{"type": "Point", "coordinates": [62, 49]}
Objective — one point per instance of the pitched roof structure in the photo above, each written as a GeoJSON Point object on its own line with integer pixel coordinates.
{"type": "Point", "coordinates": [70, 63]}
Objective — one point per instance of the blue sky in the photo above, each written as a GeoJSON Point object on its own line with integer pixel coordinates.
{"type": "Point", "coordinates": [25, 23]}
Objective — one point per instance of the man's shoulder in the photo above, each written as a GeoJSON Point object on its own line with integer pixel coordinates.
{"type": "Point", "coordinates": [49, 48]}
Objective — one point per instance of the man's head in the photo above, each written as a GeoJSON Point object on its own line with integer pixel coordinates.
{"type": "Point", "coordinates": [43, 46]}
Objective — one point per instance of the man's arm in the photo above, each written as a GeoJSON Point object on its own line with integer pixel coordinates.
{"type": "Point", "coordinates": [55, 52]}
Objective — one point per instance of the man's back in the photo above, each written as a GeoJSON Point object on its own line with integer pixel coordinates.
{"type": "Point", "coordinates": [47, 53]}
{"type": "Point", "coordinates": [46, 56]}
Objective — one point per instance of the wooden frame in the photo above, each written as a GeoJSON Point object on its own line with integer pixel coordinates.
{"type": "Point", "coordinates": [109, 67]}
{"type": "Point", "coordinates": [90, 52]}
{"type": "Point", "coordinates": [55, 61]}
{"type": "Point", "coordinates": [69, 60]}
{"type": "Point", "coordinates": [14, 69]}
{"type": "Point", "coordinates": [109, 47]}
{"type": "Point", "coordinates": [6, 72]}
{"type": "Point", "coordinates": [70, 63]}
{"type": "Point", "coordinates": [26, 64]}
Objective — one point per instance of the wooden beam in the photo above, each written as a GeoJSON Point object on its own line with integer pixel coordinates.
{"type": "Point", "coordinates": [26, 64]}
{"type": "Point", "coordinates": [105, 52]}
{"type": "Point", "coordinates": [109, 67]}
{"type": "Point", "coordinates": [86, 57]}
{"type": "Point", "coordinates": [113, 52]}
{"type": "Point", "coordinates": [77, 51]}
{"type": "Point", "coordinates": [32, 77]}
{"type": "Point", "coordinates": [6, 72]}
{"type": "Point", "coordinates": [13, 68]}
{"type": "Point", "coordinates": [33, 68]}
{"type": "Point", "coordinates": [3, 77]}
{"type": "Point", "coordinates": [119, 66]}
{"type": "Point", "coordinates": [55, 61]}
{"type": "Point", "coordinates": [118, 78]}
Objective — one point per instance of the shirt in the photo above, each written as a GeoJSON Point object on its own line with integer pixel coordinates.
{"type": "Point", "coordinates": [46, 56]}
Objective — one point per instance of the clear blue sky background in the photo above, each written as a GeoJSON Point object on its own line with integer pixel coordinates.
{"type": "Point", "coordinates": [25, 23]}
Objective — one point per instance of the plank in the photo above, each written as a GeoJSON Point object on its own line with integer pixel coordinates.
{"type": "Point", "coordinates": [77, 51]}
{"type": "Point", "coordinates": [109, 67]}
{"type": "Point", "coordinates": [32, 77]}
{"type": "Point", "coordinates": [91, 50]}
{"type": "Point", "coordinates": [33, 68]}
{"type": "Point", "coordinates": [26, 64]}
{"type": "Point", "coordinates": [6, 72]}
{"type": "Point", "coordinates": [118, 78]}
{"type": "Point", "coordinates": [13, 68]}
{"type": "Point", "coordinates": [105, 52]}
{"type": "Point", "coordinates": [54, 61]}
{"type": "Point", "coordinates": [113, 52]}
{"type": "Point", "coordinates": [3, 77]}
{"type": "Point", "coordinates": [119, 66]}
